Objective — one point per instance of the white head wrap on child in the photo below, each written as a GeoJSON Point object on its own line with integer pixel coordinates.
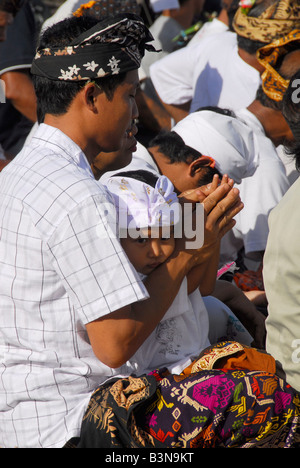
{"type": "Point", "coordinates": [139, 205]}
{"type": "Point", "coordinates": [229, 141]}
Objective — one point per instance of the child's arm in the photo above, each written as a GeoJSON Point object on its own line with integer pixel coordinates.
{"type": "Point", "coordinates": [204, 276]}
{"type": "Point", "coordinates": [116, 336]}
{"type": "Point", "coordinates": [243, 309]}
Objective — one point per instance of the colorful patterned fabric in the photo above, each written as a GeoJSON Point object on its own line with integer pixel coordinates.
{"type": "Point", "coordinates": [114, 45]}
{"type": "Point", "coordinates": [277, 20]}
{"type": "Point", "coordinates": [274, 85]}
{"type": "Point", "coordinates": [208, 408]}
{"type": "Point", "coordinates": [249, 280]}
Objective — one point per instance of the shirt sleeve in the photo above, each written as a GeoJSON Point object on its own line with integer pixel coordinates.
{"type": "Point", "coordinates": [91, 263]}
{"type": "Point", "coordinates": [173, 74]}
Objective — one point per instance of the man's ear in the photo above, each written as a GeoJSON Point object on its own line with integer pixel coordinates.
{"type": "Point", "coordinates": [195, 167]}
{"type": "Point", "coordinates": [198, 164]}
{"type": "Point", "coordinates": [90, 94]}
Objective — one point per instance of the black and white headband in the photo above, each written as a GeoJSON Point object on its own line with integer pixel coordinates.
{"type": "Point", "coordinates": [114, 45]}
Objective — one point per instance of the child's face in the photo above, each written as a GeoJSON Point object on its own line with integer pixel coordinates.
{"type": "Point", "coordinates": [147, 253]}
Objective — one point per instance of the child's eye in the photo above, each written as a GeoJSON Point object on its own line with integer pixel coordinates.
{"type": "Point", "coordinates": [142, 240]}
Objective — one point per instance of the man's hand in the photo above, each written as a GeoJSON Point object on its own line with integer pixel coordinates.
{"type": "Point", "coordinates": [221, 202]}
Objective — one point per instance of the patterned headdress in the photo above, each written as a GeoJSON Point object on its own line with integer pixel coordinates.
{"type": "Point", "coordinates": [273, 84]}
{"type": "Point", "coordinates": [114, 45]}
{"type": "Point", "coordinates": [277, 20]}
{"type": "Point", "coordinates": [139, 205]}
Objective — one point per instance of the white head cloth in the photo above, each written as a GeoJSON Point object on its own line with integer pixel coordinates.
{"type": "Point", "coordinates": [230, 142]}
{"type": "Point", "coordinates": [160, 5]}
{"type": "Point", "coordinates": [139, 205]}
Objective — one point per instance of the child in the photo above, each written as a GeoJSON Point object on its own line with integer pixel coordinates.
{"type": "Point", "coordinates": [148, 212]}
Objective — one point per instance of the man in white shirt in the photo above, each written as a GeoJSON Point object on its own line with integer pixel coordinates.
{"type": "Point", "coordinates": [222, 69]}
{"type": "Point", "coordinates": [164, 29]}
{"type": "Point", "coordinates": [262, 187]}
{"type": "Point", "coordinates": [65, 278]}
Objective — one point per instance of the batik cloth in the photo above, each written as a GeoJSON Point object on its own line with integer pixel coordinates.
{"type": "Point", "coordinates": [204, 407]}
{"type": "Point", "coordinates": [275, 85]}
{"type": "Point", "coordinates": [277, 20]}
{"type": "Point", "coordinates": [113, 46]}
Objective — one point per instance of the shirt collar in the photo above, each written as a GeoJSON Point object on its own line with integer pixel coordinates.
{"type": "Point", "coordinates": [58, 141]}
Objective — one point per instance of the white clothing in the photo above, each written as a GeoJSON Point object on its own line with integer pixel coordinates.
{"type": "Point", "coordinates": [66, 9]}
{"type": "Point", "coordinates": [230, 142]}
{"type": "Point", "coordinates": [242, 150]}
{"type": "Point", "coordinates": [222, 322]}
{"type": "Point", "coordinates": [61, 268]}
{"type": "Point", "coordinates": [260, 193]}
{"type": "Point", "coordinates": [179, 337]}
{"type": "Point", "coordinates": [140, 205]}
{"type": "Point", "coordinates": [164, 29]}
{"type": "Point", "coordinates": [289, 164]}
{"type": "Point", "coordinates": [282, 285]}
{"type": "Point", "coordinates": [209, 72]}
{"type": "Point", "coordinates": [210, 27]}
{"type": "Point", "coordinates": [160, 5]}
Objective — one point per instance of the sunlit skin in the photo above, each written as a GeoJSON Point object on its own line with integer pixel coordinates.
{"type": "Point", "coordinates": [104, 162]}
{"type": "Point", "coordinates": [104, 122]}
{"type": "Point", "coordinates": [149, 250]}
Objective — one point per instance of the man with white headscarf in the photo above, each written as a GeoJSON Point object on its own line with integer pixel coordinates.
{"type": "Point", "coordinates": [211, 134]}
{"type": "Point", "coordinates": [241, 145]}
{"type": "Point", "coordinates": [243, 151]}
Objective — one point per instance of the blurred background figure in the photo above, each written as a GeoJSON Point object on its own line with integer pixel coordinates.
{"type": "Point", "coordinates": [17, 49]}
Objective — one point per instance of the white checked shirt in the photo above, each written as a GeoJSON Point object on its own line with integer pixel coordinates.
{"type": "Point", "coordinates": [60, 268]}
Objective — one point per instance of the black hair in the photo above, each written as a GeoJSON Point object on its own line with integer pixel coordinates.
{"type": "Point", "coordinates": [172, 145]}
{"type": "Point", "coordinates": [143, 176]}
{"type": "Point", "coordinates": [231, 10]}
{"type": "Point", "coordinates": [54, 97]}
{"type": "Point", "coordinates": [291, 112]}
{"type": "Point", "coordinates": [218, 110]}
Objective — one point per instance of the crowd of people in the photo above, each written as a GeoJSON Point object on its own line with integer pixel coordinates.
{"type": "Point", "coordinates": [148, 221]}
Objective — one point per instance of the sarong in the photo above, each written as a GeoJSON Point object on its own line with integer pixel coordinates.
{"type": "Point", "coordinates": [200, 408]}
